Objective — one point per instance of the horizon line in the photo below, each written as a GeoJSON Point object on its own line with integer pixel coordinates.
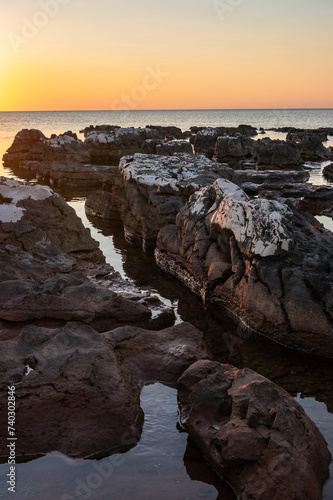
{"type": "Point", "coordinates": [155, 109]}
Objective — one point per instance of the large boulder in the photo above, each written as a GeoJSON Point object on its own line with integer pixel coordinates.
{"type": "Point", "coordinates": [62, 161]}
{"type": "Point", "coordinates": [166, 148]}
{"type": "Point", "coordinates": [149, 191]}
{"type": "Point", "coordinates": [231, 149]}
{"type": "Point", "coordinates": [271, 264]}
{"type": "Point", "coordinates": [253, 433]}
{"type": "Point", "coordinates": [310, 145]}
{"type": "Point", "coordinates": [106, 148]}
{"type": "Point", "coordinates": [167, 132]}
{"type": "Point", "coordinates": [51, 267]}
{"type": "Point", "coordinates": [206, 137]}
{"type": "Point", "coordinates": [328, 172]}
{"type": "Point", "coordinates": [278, 154]}
{"type": "Point", "coordinates": [78, 391]}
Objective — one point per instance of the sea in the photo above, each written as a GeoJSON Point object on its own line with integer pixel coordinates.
{"type": "Point", "coordinates": [160, 466]}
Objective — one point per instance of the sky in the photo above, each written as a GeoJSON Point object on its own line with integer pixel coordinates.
{"type": "Point", "coordinates": [174, 54]}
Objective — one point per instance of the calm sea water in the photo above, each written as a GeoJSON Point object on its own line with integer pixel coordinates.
{"type": "Point", "coordinates": [156, 468]}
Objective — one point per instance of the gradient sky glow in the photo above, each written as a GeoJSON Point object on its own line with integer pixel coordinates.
{"type": "Point", "coordinates": [208, 54]}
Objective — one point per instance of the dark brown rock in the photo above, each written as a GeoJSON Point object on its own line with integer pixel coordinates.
{"type": "Point", "coordinates": [253, 433]}
{"type": "Point", "coordinates": [278, 154]}
{"type": "Point", "coordinates": [78, 391]}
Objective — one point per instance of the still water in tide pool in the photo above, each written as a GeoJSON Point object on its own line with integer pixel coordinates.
{"type": "Point", "coordinates": [164, 465]}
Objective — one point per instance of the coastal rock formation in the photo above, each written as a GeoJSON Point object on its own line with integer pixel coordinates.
{"type": "Point", "coordinates": [234, 148]}
{"type": "Point", "coordinates": [51, 268]}
{"type": "Point", "coordinates": [310, 145]}
{"type": "Point", "coordinates": [106, 148]}
{"type": "Point", "coordinates": [253, 433]}
{"type": "Point", "coordinates": [167, 132]}
{"type": "Point", "coordinates": [267, 262]}
{"type": "Point", "coordinates": [328, 172]}
{"type": "Point", "coordinates": [166, 148]}
{"type": "Point", "coordinates": [278, 154]}
{"type": "Point", "coordinates": [78, 391]}
{"type": "Point", "coordinates": [148, 192]}
{"type": "Point", "coordinates": [62, 161]}
{"type": "Point", "coordinates": [205, 139]}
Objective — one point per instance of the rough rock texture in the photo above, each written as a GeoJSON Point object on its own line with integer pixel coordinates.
{"type": "Point", "coordinates": [278, 154]}
{"type": "Point", "coordinates": [106, 148]}
{"type": "Point", "coordinates": [62, 161]}
{"type": "Point", "coordinates": [167, 132]}
{"type": "Point", "coordinates": [52, 268]}
{"type": "Point", "coordinates": [166, 148]}
{"type": "Point", "coordinates": [310, 145]}
{"type": "Point", "coordinates": [234, 148]}
{"type": "Point", "coordinates": [78, 391]}
{"type": "Point", "coordinates": [205, 140]}
{"type": "Point", "coordinates": [253, 433]}
{"type": "Point", "coordinates": [148, 191]}
{"type": "Point", "coordinates": [328, 172]}
{"type": "Point", "coordinates": [270, 264]}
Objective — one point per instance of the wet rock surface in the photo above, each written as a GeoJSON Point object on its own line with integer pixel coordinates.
{"type": "Point", "coordinates": [268, 262]}
{"type": "Point", "coordinates": [61, 161]}
{"type": "Point", "coordinates": [51, 268]}
{"type": "Point", "coordinates": [78, 391]}
{"type": "Point", "coordinates": [148, 192]}
{"type": "Point", "coordinates": [253, 433]}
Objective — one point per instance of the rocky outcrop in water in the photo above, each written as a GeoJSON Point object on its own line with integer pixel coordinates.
{"type": "Point", "coordinates": [78, 391]}
{"type": "Point", "coordinates": [166, 148]}
{"type": "Point", "coordinates": [62, 161]}
{"type": "Point", "coordinates": [228, 149]}
{"type": "Point", "coordinates": [106, 148]}
{"type": "Point", "coordinates": [310, 145]}
{"type": "Point", "coordinates": [205, 139]}
{"type": "Point", "coordinates": [52, 269]}
{"type": "Point", "coordinates": [148, 192]}
{"type": "Point", "coordinates": [267, 262]}
{"type": "Point", "coordinates": [278, 154]}
{"type": "Point", "coordinates": [253, 433]}
{"type": "Point", "coordinates": [167, 132]}
{"type": "Point", "coordinates": [328, 172]}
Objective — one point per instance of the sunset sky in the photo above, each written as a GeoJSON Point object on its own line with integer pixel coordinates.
{"type": "Point", "coordinates": [175, 54]}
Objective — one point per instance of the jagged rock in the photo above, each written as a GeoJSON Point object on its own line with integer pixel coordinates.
{"type": "Point", "coordinates": [99, 128]}
{"type": "Point", "coordinates": [167, 132]}
{"type": "Point", "coordinates": [150, 190]}
{"type": "Point", "coordinates": [52, 268]}
{"type": "Point", "coordinates": [311, 145]}
{"type": "Point", "coordinates": [308, 197]}
{"type": "Point", "coordinates": [298, 136]}
{"type": "Point", "coordinates": [61, 161]}
{"type": "Point", "coordinates": [234, 148]}
{"type": "Point", "coordinates": [267, 262]}
{"type": "Point", "coordinates": [106, 148]}
{"type": "Point", "coordinates": [328, 172]}
{"type": "Point", "coordinates": [205, 140]}
{"type": "Point", "coordinates": [278, 154]}
{"type": "Point", "coordinates": [78, 391]}
{"type": "Point", "coordinates": [253, 433]}
{"type": "Point", "coordinates": [166, 148]}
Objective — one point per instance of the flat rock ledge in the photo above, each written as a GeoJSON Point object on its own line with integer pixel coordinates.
{"type": "Point", "coordinates": [253, 433]}
{"type": "Point", "coordinates": [52, 269]}
{"type": "Point", "coordinates": [266, 261]}
{"type": "Point", "coordinates": [78, 391]}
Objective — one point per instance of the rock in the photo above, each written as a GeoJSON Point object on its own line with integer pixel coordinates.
{"type": "Point", "coordinates": [311, 147]}
{"type": "Point", "coordinates": [300, 135]}
{"type": "Point", "coordinates": [206, 138]}
{"type": "Point", "coordinates": [106, 148]}
{"type": "Point", "coordinates": [167, 132]}
{"type": "Point", "coordinates": [99, 128]}
{"type": "Point", "coordinates": [230, 149]}
{"type": "Point", "coordinates": [278, 154]}
{"type": "Point", "coordinates": [272, 265]}
{"type": "Point", "coordinates": [78, 391]}
{"type": "Point", "coordinates": [150, 190]}
{"type": "Point", "coordinates": [253, 433]}
{"type": "Point", "coordinates": [166, 148]}
{"type": "Point", "coordinates": [51, 268]}
{"type": "Point", "coordinates": [328, 172]}
{"type": "Point", "coordinates": [62, 161]}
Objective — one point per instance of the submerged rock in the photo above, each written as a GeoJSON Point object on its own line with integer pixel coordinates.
{"type": "Point", "coordinates": [267, 262]}
{"type": "Point", "coordinates": [51, 268]}
{"type": "Point", "coordinates": [253, 433]}
{"type": "Point", "coordinates": [78, 391]}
